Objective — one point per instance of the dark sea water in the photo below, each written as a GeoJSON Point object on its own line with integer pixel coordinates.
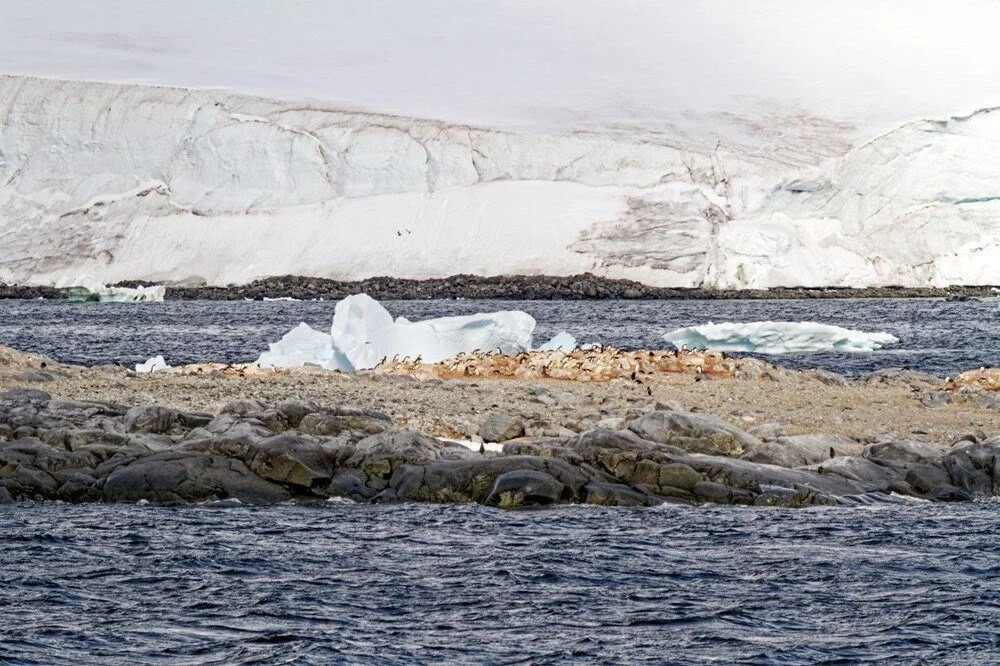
{"type": "Point", "coordinates": [935, 336]}
{"type": "Point", "coordinates": [912, 583]}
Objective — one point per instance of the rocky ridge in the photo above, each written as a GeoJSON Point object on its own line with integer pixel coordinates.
{"type": "Point", "coordinates": [298, 450]}
{"type": "Point", "coordinates": [584, 286]}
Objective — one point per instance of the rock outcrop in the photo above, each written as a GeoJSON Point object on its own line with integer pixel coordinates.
{"type": "Point", "coordinates": [82, 451]}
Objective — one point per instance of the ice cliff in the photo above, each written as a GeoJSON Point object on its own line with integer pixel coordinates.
{"type": "Point", "coordinates": [169, 184]}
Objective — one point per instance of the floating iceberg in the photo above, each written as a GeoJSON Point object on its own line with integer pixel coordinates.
{"type": "Point", "coordinates": [152, 365]}
{"type": "Point", "coordinates": [561, 342]}
{"type": "Point", "coordinates": [87, 288]}
{"type": "Point", "coordinates": [364, 333]}
{"type": "Point", "coordinates": [777, 337]}
{"type": "Point", "coordinates": [300, 346]}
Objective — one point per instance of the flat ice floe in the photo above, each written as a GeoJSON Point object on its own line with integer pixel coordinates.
{"type": "Point", "coordinates": [364, 333]}
{"type": "Point", "coordinates": [87, 288]}
{"type": "Point", "coordinates": [778, 337]}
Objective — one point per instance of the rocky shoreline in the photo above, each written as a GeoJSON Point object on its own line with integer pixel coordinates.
{"type": "Point", "coordinates": [513, 287]}
{"type": "Point", "coordinates": [225, 433]}
{"type": "Point", "coordinates": [256, 453]}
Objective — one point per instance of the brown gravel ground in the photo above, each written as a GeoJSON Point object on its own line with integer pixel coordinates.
{"type": "Point", "coordinates": [455, 408]}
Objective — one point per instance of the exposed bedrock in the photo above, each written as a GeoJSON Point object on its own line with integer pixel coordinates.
{"type": "Point", "coordinates": [81, 451]}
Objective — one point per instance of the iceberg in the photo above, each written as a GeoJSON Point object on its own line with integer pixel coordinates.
{"type": "Point", "coordinates": [778, 337]}
{"type": "Point", "coordinates": [90, 289]}
{"type": "Point", "coordinates": [301, 346]}
{"type": "Point", "coordinates": [363, 333]}
{"type": "Point", "coordinates": [153, 364]}
{"type": "Point", "coordinates": [561, 342]}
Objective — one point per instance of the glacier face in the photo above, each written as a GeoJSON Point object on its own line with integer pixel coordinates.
{"type": "Point", "coordinates": [169, 184]}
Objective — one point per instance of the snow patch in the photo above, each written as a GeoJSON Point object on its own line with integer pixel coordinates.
{"type": "Point", "coordinates": [776, 337]}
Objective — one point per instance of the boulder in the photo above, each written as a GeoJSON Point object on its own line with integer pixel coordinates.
{"type": "Point", "coordinates": [501, 427]}
{"type": "Point", "coordinates": [902, 451]}
{"type": "Point", "coordinates": [189, 476]}
{"type": "Point", "coordinates": [150, 419]}
{"type": "Point", "coordinates": [287, 459]}
{"type": "Point", "coordinates": [695, 433]}
{"type": "Point", "coordinates": [864, 471]}
{"type": "Point", "coordinates": [802, 450]}
{"type": "Point", "coordinates": [617, 494]}
{"type": "Point", "coordinates": [524, 488]}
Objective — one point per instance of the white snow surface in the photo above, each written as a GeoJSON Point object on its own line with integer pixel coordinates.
{"type": "Point", "coordinates": [154, 364]}
{"type": "Point", "coordinates": [89, 288]}
{"type": "Point", "coordinates": [778, 337]}
{"type": "Point", "coordinates": [363, 334]}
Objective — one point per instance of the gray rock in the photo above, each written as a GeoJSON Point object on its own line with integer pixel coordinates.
{"type": "Point", "coordinates": [926, 477]}
{"type": "Point", "coordinates": [500, 427]}
{"type": "Point", "coordinates": [524, 488]}
{"type": "Point", "coordinates": [947, 493]}
{"type": "Point", "coordinates": [802, 450]}
{"type": "Point", "coordinates": [864, 471]}
{"type": "Point", "coordinates": [828, 378]}
{"type": "Point", "coordinates": [915, 380]}
{"type": "Point", "coordinates": [293, 411]}
{"type": "Point", "coordinates": [767, 431]}
{"type": "Point", "coordinates": [26, 396]}
{"type": "Point", "coordinates": [617, 494]}
{"type": "Point", "coordinates": [286, 459]}
{"type": "Point", "coordinates": [963, 473]}
{"type": "Point", "coordinates": [150, 418]}
{"type": "Point", "coordinates": [906, 451]}
{"type": "Point", "coordinates": [5, 496]}
{"type": "Point", "coordinates": [717, 492]}
{"type": "Point", "coordinates": [695, 433]}
{"type": "Point", "coordinates": [345, 419]}
{"type": "Point", "coordinates": [188, 476]}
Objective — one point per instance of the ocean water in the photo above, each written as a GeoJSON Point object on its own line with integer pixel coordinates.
{"type": "Point", "coordinates": [415, 584]}
{"type": "Point", "coordinates": [935, 336]}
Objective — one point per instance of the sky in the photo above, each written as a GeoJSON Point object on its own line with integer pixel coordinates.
{"type": "Point", "coordinates": [521, 63]}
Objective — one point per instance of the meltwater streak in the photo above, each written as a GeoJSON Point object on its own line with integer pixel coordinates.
{"type": "Point", "coordinates": [343, 583]}
{"type": "Point", "coordinates": [935, 336]}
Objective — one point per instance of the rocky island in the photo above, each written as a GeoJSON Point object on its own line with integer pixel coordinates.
{"type": "Point", "coordinates": [601, 427]}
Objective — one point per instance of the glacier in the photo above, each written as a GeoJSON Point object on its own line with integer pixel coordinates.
{"type": "Point", "coordinates": [186, 186]}
{"type": "Point", "coordinates": [778, 337]}
{"type": "Point", "coordinates": [88, 288]}
{"type": "Point", "coordinates": [363, 334]}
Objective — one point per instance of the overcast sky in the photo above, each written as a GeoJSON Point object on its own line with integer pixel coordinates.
{"type": "Point", "coordinates": [520, 62]}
